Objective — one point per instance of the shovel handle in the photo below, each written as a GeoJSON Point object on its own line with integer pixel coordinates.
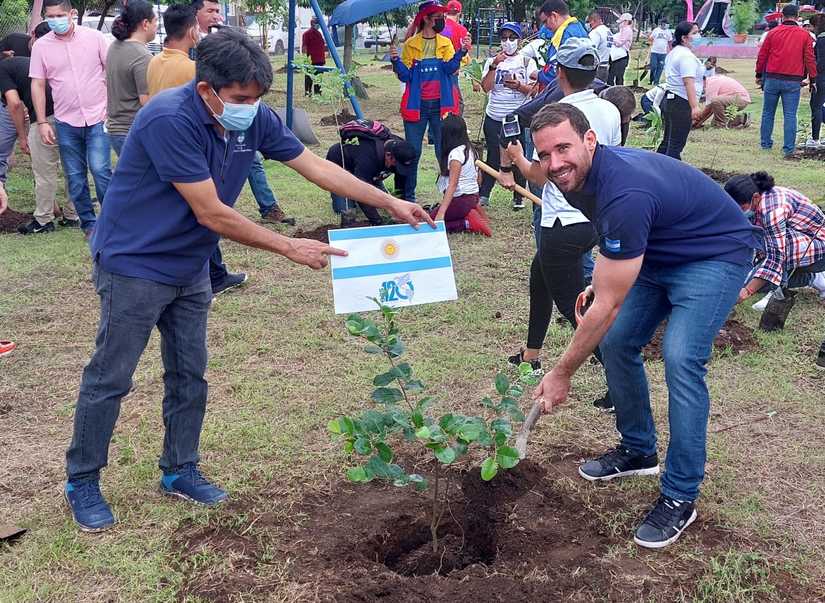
{"type": "Point", "coordinates": [527, 427]}
{"type": "Point", "coordinates": [583, 302]}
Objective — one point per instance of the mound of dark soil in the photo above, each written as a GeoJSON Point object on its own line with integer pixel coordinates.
{"type": "Point", "coordinates": [343, 117]}
{"type": "Point", "coordinates": [734, 335]}
{"type": "Point", "coordinates": [720, 176]}
{"type": "Point", "coordinates": [320, 233]}
{"type": "Point", "coordinates": [387, 67]}
{"type": "Point", "coordinates": [803, 153]}
{"type": "Point", "coordinates": [10, 220]}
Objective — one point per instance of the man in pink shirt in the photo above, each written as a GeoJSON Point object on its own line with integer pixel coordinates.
{"type": "Point", "coordinates": [72, 60]}
{"type": "Point", "coordinates": [722, 92]}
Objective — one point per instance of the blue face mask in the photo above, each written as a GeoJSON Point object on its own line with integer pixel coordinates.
{"type": "Point", "coordinates": [58, 25]}
{"type": "Point", "coordinates": [237, 117]}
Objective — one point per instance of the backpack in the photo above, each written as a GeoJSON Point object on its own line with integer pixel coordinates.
{"type": "Point", "coordinates": [365, 129]}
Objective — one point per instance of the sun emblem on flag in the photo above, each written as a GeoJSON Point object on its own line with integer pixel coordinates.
{"type": "Point", "coordinates": [389, 248]}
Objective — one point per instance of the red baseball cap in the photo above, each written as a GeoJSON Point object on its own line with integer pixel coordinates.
{"type": "Point", "coordinates": [427, 8]}
{"type": "Point", "coordinates": [454, 6]}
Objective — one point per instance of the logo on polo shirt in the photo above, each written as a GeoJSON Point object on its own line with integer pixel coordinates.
{"type": "Point", "coordinates": [614, 245]}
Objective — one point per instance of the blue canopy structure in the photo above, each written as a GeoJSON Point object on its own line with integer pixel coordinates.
{"type": "Point", "coordinates": [349, 12]}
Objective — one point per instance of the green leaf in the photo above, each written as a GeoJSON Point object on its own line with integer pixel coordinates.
{"type": "Point", "coordinates": [362, 446]}
{"type": "Point", "coordinates": [500, 439]}
{"type": "Point", "coordinates": [516, 391]}
{"type": "Point", "coordinates": [405, 370]}
{"type": "Point", "coordinates": [387, 395]}
{"type": "Point", "coordinates": [507, 457]}
{"type": "Point", "coordinates": [384, 379]}
{"type": "Point", "coordinates": [423, 433]}
{"type": "Point", "coordinates": [489, 468]}
{"type": "Point", "coordinates": [334, 426]}
{"type": "Point", "coordinates": [423, 403]}
{"type": "Point", "coordinates": [384, 452]}
{"type": "Point", "coordinates": [371, 348]}
{"type": "Point", "coordinates": [418, 480]}
{"type": "Point", "coordinates": [515, 414]}
{"type": "Point", "coordinates": [417, 419]}
{"type": "Point", "coordinates": [414, 386]}
{"type": "Point", "coordinates": [502, 384]}
{"type": "Point", "coordinates": [446, 455]}
{"type": "Point", "coordinates": [460, 448]}
{"type": "Point", "coordinates": [487, 402]}
{"type": "Point", "coordinates": [502, 425]}
{"type": "Point", "coordinates": [357, 474]}
{"type": "Point", "coordinates": [471, 431]}
{"type": "Point", "coordinates": [347, 425]}
{"type": "Point", "coordinates": [354, 326]}
{"type": "Point", "coordinates": [524, 369]}
{"type": "Point", "coordinates": [449, 423]}
{"type": "Point", "coordinates": [396, 349]}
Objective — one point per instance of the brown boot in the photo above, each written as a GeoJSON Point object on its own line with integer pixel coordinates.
{"type": "Point", "coordinates": [277, 216]}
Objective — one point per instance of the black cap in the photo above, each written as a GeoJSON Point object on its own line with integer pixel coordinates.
{"type": "Point", "coordinates": [790, 10]}
{"type": "Point", "coordinates": [404, 154]}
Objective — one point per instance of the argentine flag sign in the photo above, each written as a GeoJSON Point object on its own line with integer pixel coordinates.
{"type": "Point", "coordinates": [398, 264]}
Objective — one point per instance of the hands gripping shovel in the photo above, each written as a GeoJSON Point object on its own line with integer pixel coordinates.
{"type": "Point", "coordinates": [583, 302]}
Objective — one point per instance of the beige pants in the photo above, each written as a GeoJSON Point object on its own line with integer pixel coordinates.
{"type": "Point", "coordinates": [718, 107]}
{"type": "Point", "coordinates": [46, 168]}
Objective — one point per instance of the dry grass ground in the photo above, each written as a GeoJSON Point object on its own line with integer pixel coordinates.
{"type": "Point", "coordinates": [281, 366]}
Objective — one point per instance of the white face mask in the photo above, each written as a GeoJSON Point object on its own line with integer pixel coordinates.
{"type": "Point", "coordinates": [509, 46]}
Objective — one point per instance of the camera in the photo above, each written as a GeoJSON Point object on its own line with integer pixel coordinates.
{"type": "Point", "coordinates": [510, 130]}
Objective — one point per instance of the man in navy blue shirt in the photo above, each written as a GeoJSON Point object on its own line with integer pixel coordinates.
{"type": "Point", "coordinates": [672, 245]}
{"type": "Point", "coordinates": [183, 165]}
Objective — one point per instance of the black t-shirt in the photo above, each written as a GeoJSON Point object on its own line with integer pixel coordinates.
{"type": "Point", "coordinates": [14, 75]}
{"type": "Point", "coordinates": [18, 42]}
{"type": "Point", "coordinates": [365, 161]}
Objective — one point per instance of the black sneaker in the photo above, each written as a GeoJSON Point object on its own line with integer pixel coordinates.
{"type": "Point", "coordinates": [604, 404]}
{"type": "Point", "coordinates": [665, 523]}
{"type": "Point", "coordinates": [65, 223]}
{"type": "Point", "coordinates": [518, 203]}
{"type": "Point", "coordinates": [820, 358]}
{"type": "Point", "coordinates": [619, 462]}
{"type": "Point", "coordinates": [35, 227]}
{"type": "Point", "coordinates": [518, 358]}
{"type": "Point", "coordinates": [231, 281]}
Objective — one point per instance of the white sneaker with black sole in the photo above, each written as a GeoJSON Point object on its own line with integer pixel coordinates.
{"type": "Point", "coordinates": [665, 523]}
{"type": "Point", "coordinates": [619, 462]}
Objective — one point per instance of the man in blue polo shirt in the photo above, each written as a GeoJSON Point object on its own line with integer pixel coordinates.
{"type": "Point", "coordinates": [183, 165]}
{"type": "Point", "coordinates": [672, 245]}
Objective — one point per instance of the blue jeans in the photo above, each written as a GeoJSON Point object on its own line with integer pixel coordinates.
{"type": "Point", "coordinates": [789, 92]}
{"type": "Point", "coordinates": [657, 65]}
{"type": "Point", "coordinates": [82, 150]}
{"type": "Point", "coordinates": [260, 187]}
{"type": "Point", "coordinates": [414, 133]}
{"type": "Point", "coordinates": [695, 298]}
{"type": "Point", "coordinates": [130, 308]}
{"type": "Point", "coordinates": [8, 136]}
{"type": "Point", "coordinates": [116, 142]}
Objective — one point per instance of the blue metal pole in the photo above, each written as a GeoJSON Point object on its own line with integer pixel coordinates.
{"type": "Point", "coordinates": [334, 54]}
{"type": "Point", "coordinates": [290, 58]}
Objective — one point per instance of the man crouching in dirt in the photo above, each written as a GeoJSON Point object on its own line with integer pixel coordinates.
{"type": "Point", "coordinates": [183, 165]}
{"type": "Point", "coordinates": [672, 245]}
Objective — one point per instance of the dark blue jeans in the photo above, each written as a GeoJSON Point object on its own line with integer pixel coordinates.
{"type": "Point", "coordinates": [130, 308]}
{"type": "Point", "coordinates": [82, 150]}
{"type": "Point", "coordinates": [696, 299]}
{"type": "Point", "coordinates": [414, 133]}
{"type": "Point", "coordinates": [789, 91]}
{"type": "Point", "coordinates": [116, 142]}
{"type": "Point", "coordinates": [260, 187]}
{"type": "Point", "coordinates": [657, 65]}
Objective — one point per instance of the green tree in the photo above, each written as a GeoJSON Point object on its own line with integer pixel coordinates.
{"type": "Point", "coordinates": [266, 13]}
{"type": "Point", "coordinates": [14, 14]}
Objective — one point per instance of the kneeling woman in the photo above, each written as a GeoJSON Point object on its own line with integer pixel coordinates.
{"type": "Point", "coordinates": [794, 234]}
{"type": "Point", "coordinates": [458, 180]}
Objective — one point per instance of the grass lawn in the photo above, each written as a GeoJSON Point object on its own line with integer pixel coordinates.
{"type": "Point", "coordinates": [281, 366]}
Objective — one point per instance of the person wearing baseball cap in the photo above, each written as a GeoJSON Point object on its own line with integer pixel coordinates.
{"type": "Point", "coordinates": [454, 30]}
{"type": "Point", "coordinates": [620, 52]}
{"type": "Point", "coordinates": [427, 66]}
{"type": "Point", "coordinates": [566, 237]}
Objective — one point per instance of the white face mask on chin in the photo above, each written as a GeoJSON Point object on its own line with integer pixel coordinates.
{"type": "Point", "coordinates": [509, 46]}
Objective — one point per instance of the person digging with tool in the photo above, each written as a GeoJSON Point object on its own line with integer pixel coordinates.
{"type": "Point", "coordinates": [672, 245]}
{"type": "Point", "coordinates": [183, 166]}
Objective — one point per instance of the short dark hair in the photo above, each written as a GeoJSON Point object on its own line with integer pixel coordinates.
{"type": "Point", "coordinates": [790, 10]}
{"type": "Point", "coordinates": [680, 31]}
{"type": "Point", "coordinates": [622, 98]}
{"type": "Point", "coordinates": [554, 6]}
{"type": "Point", "coordinates": [228, 57]}
{"type": "Point", "coordinates": [818, 21]}
{"type": "Point", "coordinates": [198, 4]}
{"type": "Point", "coordinates": [67, 4]}
{"type": "Point", "coordinates": [41, 30]}
{"type": "Point", "coordinates": [743, 188]}
{"type": "Point", "coordinates": [178, 19]}
{"type": "Point", "coordinates": [555, 114]}
{"type": "Point", "coordinates": [579, 79]}
{"type": "Point", "coordinates": [131, 15]}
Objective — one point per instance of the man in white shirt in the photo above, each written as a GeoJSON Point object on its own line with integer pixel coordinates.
{"type": "Point", "coordinates": [602, 39]}
{"type": "Point", "coordinates": [556, 274]}
{"type": "Point", "coordinates": [660, 42]}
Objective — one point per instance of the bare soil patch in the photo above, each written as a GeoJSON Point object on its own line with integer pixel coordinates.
{"type": "Point", "coordinates": [10, 220]}
{"type": "Point", "coordinates": [321, 232]}
{"type": "Point", "coordinates": [720, 176]}
{"type": "Point", "coordinates": [734, 335]}
{"type": "Point", "coordinates": [343, 117]}
{"type": "Point", "coordinates": [520, 537]}
{"type": "Point", "coordinates": [797, 155]}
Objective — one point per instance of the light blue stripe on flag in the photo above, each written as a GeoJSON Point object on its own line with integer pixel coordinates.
{"type": "Point", "coordinates": [373, 232]}
{"type": "Point", "coordinates": [391, 268]}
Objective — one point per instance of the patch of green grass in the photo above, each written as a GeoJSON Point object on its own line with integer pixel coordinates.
{"type": "Point", "coordinates": [735, 576]}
